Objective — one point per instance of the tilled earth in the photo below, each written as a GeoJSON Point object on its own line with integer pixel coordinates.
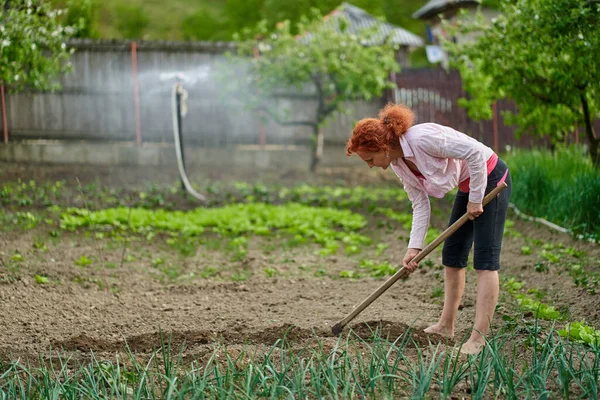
{"type": "Point", "coordinates": [73, 313]}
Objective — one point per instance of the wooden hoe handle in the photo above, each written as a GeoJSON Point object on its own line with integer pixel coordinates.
{"type": "Point", "coordinates": [402, 273]}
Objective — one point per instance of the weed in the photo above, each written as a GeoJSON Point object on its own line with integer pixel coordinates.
{"type": "Point", "coordinates": [83, 261]}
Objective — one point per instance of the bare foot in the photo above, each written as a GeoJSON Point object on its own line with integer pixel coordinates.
{"type": "Point", "coordinates": [441, 330]}
{"type": "Point", "coordinates": [472, 347]}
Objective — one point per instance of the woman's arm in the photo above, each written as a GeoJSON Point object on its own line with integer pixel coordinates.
{"type": "Point", "coordinates": [420, 216]}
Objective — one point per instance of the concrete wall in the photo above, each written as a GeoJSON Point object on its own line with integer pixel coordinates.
{"type": "Point", "coordinates": [289, 157]}
{"type": "Point", "coordinates": [97, 100]}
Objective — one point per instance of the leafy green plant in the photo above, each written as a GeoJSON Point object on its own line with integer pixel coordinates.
{"type": "Point", "coordinates": [158, 261]}
{"type": "Point", "coordinates": [321, 225]}
{"type": "Point", "coordinates": [17, 257]}
{"type": "Point", "coordinates": [376, 269]}
{"type": "Point", "coordinates": [550, 256]}
{"type": "Point", "coordinates": [349, 274]}
{"type": "Point", "coordinates": [39, 245]}
{"type": "Point", "coordinates": [582, 333]}
{"type": "Point", "coordinates": [270, 272]}
{"type": "Point", "coordinates": [83, 261]}
{"type": "Point", "coordinates": [39, 279]}
{"type": "Point", "coordinates": [509, 230]}
{"type": "Point", "coordinates": [540, 310]}
{"type": "Point", "coordinates": [320, 272]}
{"type": "Point", "coordinates": [186, 245]}
{"type": "Point", "coordinates": [512, 285]}
{"type": "Point", "coordinates": [208, 272]}
{"type": "Point", "coordinates": [525, 250]}
{"type": "Point", "coordinates": [239, 247]}
{"type": "Point", "coordinates": [540, 267]}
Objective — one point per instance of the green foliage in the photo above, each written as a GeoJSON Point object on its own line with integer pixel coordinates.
{"type": "Point", "coordinates": [323, 62]}
{"type": "Point", "coordinates": [33, 52]}
{"type": "Point", "coordinates": [205, 24]}
{"type": "Point", "coordinates": [83, 261]}
{"type": "Point", "coordinates": [220, 20]}
{"type": "Point", "coordinates": [546, 64]}
{"type": "Point", "coordinates": [512, 285]}
{"type": "Point", "coordinates": [540, 310]}
{"type": "Point", "coordinates": [321, 225]}
{"type": "Point", "coordinates": [376, 269]}
{"type": "Point", "coordinates": [525, 250]}
{"type": "Point", "coordinates": [545, 184]}
{"type": "Point", "coordinates": [369, 366]}
{"type": "Point", "coordinates": [582, 333]}
{"type": "Point", "coordinates": [81, 14]}
{"type": "Point", "coordinates": [17, 257]}
{"type": "Point", "coordinates": [406, 220]}
{"type": "Point", "coordinates": [131, 20]}
{"type": "Point", "coordinates": [335, 61]}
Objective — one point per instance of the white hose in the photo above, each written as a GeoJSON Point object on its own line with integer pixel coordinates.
{"type": "Point", "coordinates": [549, 224]}
{"type": "Point", "coordinates": [182, 174]}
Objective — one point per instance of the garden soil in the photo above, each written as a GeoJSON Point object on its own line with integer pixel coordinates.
{"type": "Point", "coordinates": [72, 318]}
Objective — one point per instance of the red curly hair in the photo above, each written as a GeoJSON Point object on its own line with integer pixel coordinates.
{"type": "Point", "coordinates": [379, 134]}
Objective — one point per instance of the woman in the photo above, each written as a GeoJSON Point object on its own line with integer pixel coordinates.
{"type": "Point", "coordinates": [431, 160]}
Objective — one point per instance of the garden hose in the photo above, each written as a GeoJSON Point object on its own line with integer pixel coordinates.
{"type": "Point", "coordinates": [549, 224]}
{"type": "Point", "coordinates": [179, 109]}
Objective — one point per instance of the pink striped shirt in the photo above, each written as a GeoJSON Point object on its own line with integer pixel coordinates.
{"type": "Point", "coordinates": [445, 157]}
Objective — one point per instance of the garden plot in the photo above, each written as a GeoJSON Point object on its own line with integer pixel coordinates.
{"type": "Point", "coordinates": [266, 269]}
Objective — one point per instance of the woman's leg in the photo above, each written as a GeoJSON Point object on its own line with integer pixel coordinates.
{"type": "Point", "coordinates": [454, 286]}
{"type": "Point", "coordinates": [488, 288]}
{"type": "Point", "coordinates": [488, 232]}
{"type": "Point", "coordinates": [455, 256]}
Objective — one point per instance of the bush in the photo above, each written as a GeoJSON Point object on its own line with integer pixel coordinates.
{"type": "Point", "coordinates": [131, 21]}
{"type": "Point", "coordinates": [81, 14]}
{"type": "Point", "coordinates": [204, 24]}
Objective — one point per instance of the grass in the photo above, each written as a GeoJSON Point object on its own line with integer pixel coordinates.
{"type": "Point", "coordinates": [562, 187]}
{"type": "Point", "coordinates": [372, 366]}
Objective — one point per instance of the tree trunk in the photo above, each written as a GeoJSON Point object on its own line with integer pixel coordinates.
{"type": "Point", "coordinates": [589, 132]}
{"type": "Point", "coordinates": [317, 148]}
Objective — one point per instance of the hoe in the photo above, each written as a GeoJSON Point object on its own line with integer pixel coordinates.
{"type": "Point", "coordinates": [403, 273]}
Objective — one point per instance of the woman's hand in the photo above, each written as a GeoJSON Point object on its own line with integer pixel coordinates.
{"type": "Point", "coordinates": [410, 266]}
{"type": "Point", "coordinates": [474, 210]}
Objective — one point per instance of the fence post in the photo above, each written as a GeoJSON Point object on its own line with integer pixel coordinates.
{"type": "Point", "coordinates": [4, 122]}
{"type": "Point", "coordinates": [495, 125]}
{"type": "Point", "coordinates": [136, 93]}
{"type": "Point", "coordinates": [262, 136]}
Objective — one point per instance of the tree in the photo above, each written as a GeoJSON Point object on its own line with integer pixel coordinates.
{"type": "Point", "coordinates": [205, 24]}
{"type": "Point", "coordinates": [324, 63]}
{"type": "Point", "coordinates": [543, 55]}
{"type": "Point", "coordinates": [131, 20]}
{"type": "Point", "coordinates": [81, 14]}
{"type": "Point", "coordinates": [32, 45]}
